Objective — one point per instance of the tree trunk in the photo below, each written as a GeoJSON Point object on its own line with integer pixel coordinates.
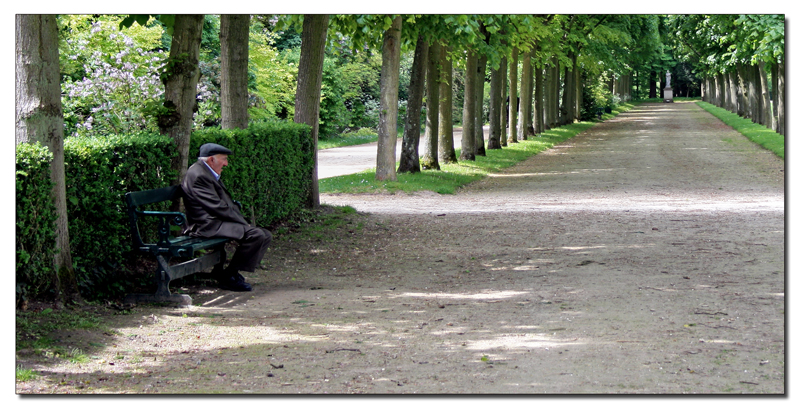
{"type": "Point", "coordinates": [570, 86]}
{"type": "Point", "coordinates": [774, 79]}
{"type": "Point", "coordinates": [409, 153]}
{"type": "Point", "coordinates": [468, 117]}
{"type": "Point", "coordinates": [180, 83]}
{"type": "Point", "coordinates": [513, 102]}
{"type": "Point", "coordinates": [390, 80]}
{"type": "Point", "coordinates": [529, 129]}
{"type": "Point", "coordinates": [496, 86]}
{"type": "Point", "coordinates": [503, 101]}
{"type": "Point", "coordinates": [549, 91]}
{"type": "Point", "coordinates": [309, 89]}
{"type": "Point", "coordinates": [480, 83]}
{"type": "Point", "coordinates": [753, 92]}
{"type": "Point", "coordinates": [430, 157]}
{"type": "Point", "coordinates": [39, 118]}
{"type": "Point", "coordinates": [234, 34]}
{"type": "Point", "coordinates": [538, 99]}
{"type": "Point", "coordinates": [780, 92]}
{"type": "Point", "coordinates": [525, 102]}
{"type": "Point", "coordinates": [566, 97]}
{"type": "Point", "coordinates": [765, 108]}
{"type": "Point", "coordinates": [730, 95]}
{"type": "Point", "coordinates": [447, 151]}
{"type": "Point", "coordinates": [578, 93]}
{"type": "Point", "coordinates": [741, 94]}
{"type": "Point", "coordinates": [555, 84]}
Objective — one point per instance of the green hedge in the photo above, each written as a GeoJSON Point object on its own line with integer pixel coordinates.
{"type": "Point", "coordinates": [269, 168]}
{"type": "Point", "coordinates": [35, 219]}
{"type": "Point", "coordinates": [266, 174]}
{"type": "Point", "coordinates": [99, 171]}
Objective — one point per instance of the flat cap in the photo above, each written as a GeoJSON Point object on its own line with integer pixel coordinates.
{"type": "Point", "coordinates": [210, 149]}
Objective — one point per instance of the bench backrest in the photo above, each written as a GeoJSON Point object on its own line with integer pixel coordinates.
{"type": "Point", "coordinates": [139, 198]}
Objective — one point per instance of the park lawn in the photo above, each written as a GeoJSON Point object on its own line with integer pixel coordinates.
{"type": "Point", "coordinates": [451, 177]}
{"type": "Point", "coordinates": [759, 134]}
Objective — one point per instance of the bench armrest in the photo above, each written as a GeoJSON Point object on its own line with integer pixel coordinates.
{"type": "Point", "coordinates": [165, 220]}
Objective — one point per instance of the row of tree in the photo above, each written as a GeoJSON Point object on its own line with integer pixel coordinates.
{"type": "Point", "coordinates": [742, 61]}
{"type": "Point", "coordinates": [557, 53]}
{"type": "Point", "coordinates": [543, 71]}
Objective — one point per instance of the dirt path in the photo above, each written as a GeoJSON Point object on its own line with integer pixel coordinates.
{"type": "Point", "coordinates": [643, 256]}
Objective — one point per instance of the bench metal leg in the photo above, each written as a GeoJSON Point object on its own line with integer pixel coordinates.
{"type": "Point", "coordinates": [163, 277]}
{"type": "Point", "coordinates": [165, 274]}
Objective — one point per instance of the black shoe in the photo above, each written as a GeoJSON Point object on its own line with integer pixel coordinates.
{"type": "Point", "coordinates": [232, 283]}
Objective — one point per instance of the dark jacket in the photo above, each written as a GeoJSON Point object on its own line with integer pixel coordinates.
{"type": "Point", "coordinates": [210, 210]}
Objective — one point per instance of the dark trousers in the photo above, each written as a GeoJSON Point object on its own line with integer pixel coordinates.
{"type": "Point", "coordinates": [250, 251]}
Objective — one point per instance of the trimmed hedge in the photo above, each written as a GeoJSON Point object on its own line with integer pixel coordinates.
{"type": "Point", "coordinates": [269, 168]}
{"type": "Point", "coordinates": [35, 221]}
{"type": "Point", "coordinates": [99, 171]}
{"type": "Point", "coordinates": [268, 173]}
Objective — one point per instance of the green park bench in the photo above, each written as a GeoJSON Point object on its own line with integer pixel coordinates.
{"type": "Point", "coordinates": [189, 255]}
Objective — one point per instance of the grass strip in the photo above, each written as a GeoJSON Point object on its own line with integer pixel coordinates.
{"type": "Point", "coordinates": [451, 177]}
{"type": "Point", "coordinates": [759, 134]}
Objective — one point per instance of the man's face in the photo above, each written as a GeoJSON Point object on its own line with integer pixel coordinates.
{"type": "Point", "coordinates": [217, 162]}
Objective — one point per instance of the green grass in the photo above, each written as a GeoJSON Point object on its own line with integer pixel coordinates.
{"type": "Point", "coordinates": [451, 177]}
{"type": "Point", "coordinates": [347, 139]}
{"type": "Point", "coordinates": [34, 328]}
{"type": "Point", "coordinates": [759, 134]}
{"type": "Point", "coordinates": [25, 374]}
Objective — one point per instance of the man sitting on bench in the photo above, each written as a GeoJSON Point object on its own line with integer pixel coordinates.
{"type": "Point", "coordinates": [211, 213]}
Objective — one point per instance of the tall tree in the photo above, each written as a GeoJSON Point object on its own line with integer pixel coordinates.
{"type": "Point", "coordinates": [447, 152]}
{"type": "Point", "coordinates": [409, 153]}
{"type": "Point", "coordinates": [495, 106]}
{"type": "Point", "coordinates": [234, 45]}
{"type": "Point", "coordinates": [390, 80]}
{"type": "Point", "coordinates": [525, 129]}
{"type": "Point", "coordinates": [180, 82]}
{"type": "Point", "coordinates": [468, 112]}
{"type": "Point", "coordinates": [480, 82]}
{"type": "Point", "coordinates": [430, 158]}
{"type": "Point", "coordinates": [513, 99]}
{"type": "Point", "coordinates": [309, 88]}
{"type": "Point", "coordinates": [39, 118]}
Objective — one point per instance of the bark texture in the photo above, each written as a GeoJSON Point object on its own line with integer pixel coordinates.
{"type": "Point", "coordinates": [447, 151]}
{"type": "Point", "coordinates": [309, 88]}
{"type": "Point", "coordinates": [513, 82]}
{"type": "Point", "coordinates": [180, 83]}
{"type": "Point", "coordinates": [538, 99]}
{"type": "Point", "coordinates": [766, 111]}
{"type": "Point", "coordinates": [234, 37]}
{"type": "Point", "coordinates": [480, 83]}
{"type": "Point", "coordinates": [503, 101]}
{"type": "Point", "coordinates": [390, 80]}
{"type": "Point", "coordinates": [525, 102]}
{"type": "Point", "coordinates": [495, 107]}
{"type": "Point", "coordinates": [430, 156]}
{"type": "Point", "coordinates": [39, 118]}
{"type": "Point", "coordinates": [468, 117]}
{"type": "Point", "coordinates": [409, 153]}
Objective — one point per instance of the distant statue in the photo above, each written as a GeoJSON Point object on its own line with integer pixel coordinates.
{"type": "Point", "coordinates": [668, 78]}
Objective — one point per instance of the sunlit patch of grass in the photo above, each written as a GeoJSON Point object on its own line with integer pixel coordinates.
{"type": "Point", "coordinates": [25, 374]}
{"type": "Point", "coordinates": [759, 134]}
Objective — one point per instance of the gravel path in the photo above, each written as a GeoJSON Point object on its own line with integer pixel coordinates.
{"type": "Point", "coordinates": [645, 255]}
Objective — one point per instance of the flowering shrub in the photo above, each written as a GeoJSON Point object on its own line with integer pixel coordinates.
{"type": "Point", "coordinates": [120, 83]}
